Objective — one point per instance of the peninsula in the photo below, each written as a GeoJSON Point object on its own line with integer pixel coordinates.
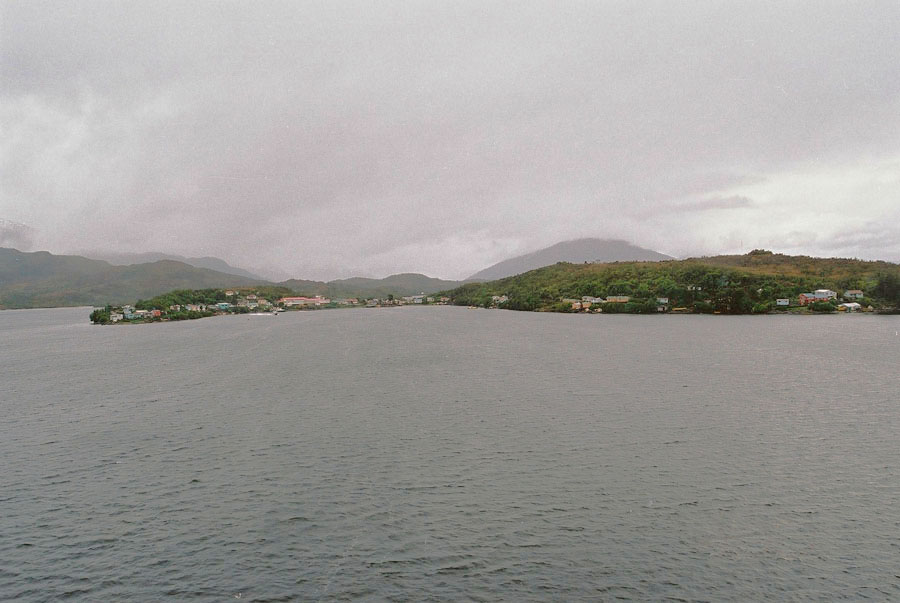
{"type": "Point", "coordinates": [755, 283]}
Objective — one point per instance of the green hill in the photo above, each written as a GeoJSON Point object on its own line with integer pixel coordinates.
{"type": "Point", "coordinates": [727, 284]}
{"type": "Point", "coordinates": [396, 284]}
{"type": "Point", "coordinates": [576, 252]}
{"type": "Point", "coordinates": [41, 279]}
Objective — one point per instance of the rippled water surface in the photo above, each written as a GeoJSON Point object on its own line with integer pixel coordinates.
{"type": "Point", "coordinates": [449, 454]}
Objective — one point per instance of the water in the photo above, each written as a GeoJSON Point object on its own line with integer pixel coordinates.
{"type": "Point", "coordinates": [449, 454]}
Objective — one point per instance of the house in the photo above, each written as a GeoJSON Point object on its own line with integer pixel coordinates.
{"type": "Point", "coordinates": [304, 301]}
{"type": "Point", "coordinates": [617, 299]}
{"type": "Point", "coordinates": [850, 307]}
{"type": "Point", "coordinates": [576, 305]}
{"type": "Point", "coordinates": [664, 301]}
{"type": "Point", "coordinates": [223, 306]}
{"type": "Point", "coordinates": [116, 316]}
{"type": "Point", "coordinates": [854, 294]}
{"type": "Point", "coordinates": [229, 293]}
{"type": "Point", "coordinates": [783, 301]}
{"type": "Point", "coordinates": [371, 303]}
{"type": "Point", "coordinates": [818, 295]}
{"type": "Point", "coordinates": [499, 299]}
{"type": "Point", "coordinates": [155, 313]}
{"type": "Point", "coordinates": [252, 297]}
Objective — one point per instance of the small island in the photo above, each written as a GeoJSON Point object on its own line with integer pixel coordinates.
{"type": "Point", "coordinates": [191, 304]}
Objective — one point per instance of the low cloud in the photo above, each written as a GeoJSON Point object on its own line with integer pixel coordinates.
{"type": "Point", "coordinates": [16, 235]}
{"type": "Point", "coordinates": [733, 202]}
{"type": "Point", "coordinates": [342, 138]}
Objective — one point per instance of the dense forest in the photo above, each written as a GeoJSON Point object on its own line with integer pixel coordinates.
{"type": "Point", "coordinates": [725, 284]}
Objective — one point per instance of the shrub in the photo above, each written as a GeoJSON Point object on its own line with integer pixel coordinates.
{"type": "Point", "coordinates": [703, 307]}
{"type": "Point", "coordinates": [822, 306]}
{"type": "Point", "coordinates": [762, 308]}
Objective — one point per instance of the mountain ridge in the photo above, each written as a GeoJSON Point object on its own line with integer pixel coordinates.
{"type": "Point", "coordinates": [209, 262]}
{"type": "Point", "coordinates": [574, 251]}
{"type": "Point", "coordinates": [42, 279]}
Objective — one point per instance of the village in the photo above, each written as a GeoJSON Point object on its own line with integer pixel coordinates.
{"type": "Point", "coordinates": [851, 303]}
{"type": "Point", "coordinates": [242, 302]}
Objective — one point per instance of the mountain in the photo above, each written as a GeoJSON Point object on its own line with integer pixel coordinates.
{"type": "Point", "coordinates": [127, 259]}
{"type": "Point", "coordinates": [399, 284]}
{"type": "Point", "coordinates": [577, 251]}
{"type": "Point", "coordinates": [396, 284]}
{"type": "Point", "coordinates": [41, 279]}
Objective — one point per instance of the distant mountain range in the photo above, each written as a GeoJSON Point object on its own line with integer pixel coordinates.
{"type": "Point", "coordinates": [127, 259]}
{"type": "Point", "coordinates": [396, 284]}
{"type": "Point", "coordinates": [42, 279]}
{"type": "Point", "coordinates": [576, 251]}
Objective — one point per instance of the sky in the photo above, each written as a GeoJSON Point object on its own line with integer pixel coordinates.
{"type": "Point", "coordinates": [332, 139]}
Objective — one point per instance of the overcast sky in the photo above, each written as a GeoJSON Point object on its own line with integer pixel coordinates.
{"type": "Point", "coordinates": [329, 139]}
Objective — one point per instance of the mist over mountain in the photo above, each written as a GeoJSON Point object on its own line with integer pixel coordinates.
{"type": "Point", "coordinates": [575, 251]}
{"type": "Point", "coordinates": [212, 263]}
{"type": "Point", "coordinates": [16, 235]}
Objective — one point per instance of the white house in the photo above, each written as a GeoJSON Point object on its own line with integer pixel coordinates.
{"type": "Point", "coordinates": [824, 294]}
{"type": "Point", "coordinates": [850, 307]}
{"type": "Point", "coordinates": [854, 294]}
{"type": "Point", "coordinates": [783, 301]}
{"type": "Point", "coordinates": [304, 301]}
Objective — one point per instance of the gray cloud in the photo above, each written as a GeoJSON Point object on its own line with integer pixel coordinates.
{"type": "Point", "coordinates": [15, 235]}
{"type": "Point", "coordinates": [327, 139]}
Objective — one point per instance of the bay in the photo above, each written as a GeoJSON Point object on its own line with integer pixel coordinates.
{"type": "Point", "coordinates": [440, 453]}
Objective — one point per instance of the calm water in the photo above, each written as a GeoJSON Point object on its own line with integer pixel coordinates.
{"type": "Point", "coordinates": [449, 454]}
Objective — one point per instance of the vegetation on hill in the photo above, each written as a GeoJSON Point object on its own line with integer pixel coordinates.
{"type": "Point", "coordinates": [725, 284]}
{"type": "Point", "coordinates": [41, 279]}
{"type": "Point", "coordinates": [184, 297]}
{"type": "Point", "coordinates": [577, 251]}
{"type": "Point", "coordinates": [396, 284]}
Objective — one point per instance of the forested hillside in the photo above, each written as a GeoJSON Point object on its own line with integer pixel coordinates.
{"type": "Point", "coordinates": [727, 284]}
